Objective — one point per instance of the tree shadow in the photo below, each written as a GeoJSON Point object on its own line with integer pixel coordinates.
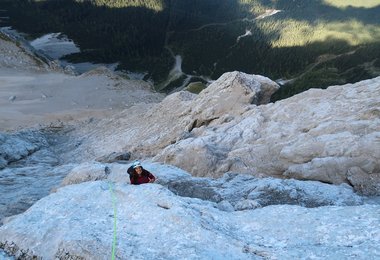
{"type": "Point", "coordinates": [207, 34]}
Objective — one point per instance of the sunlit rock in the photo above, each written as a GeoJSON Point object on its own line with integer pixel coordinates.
{"type": "Point", "coordinates": [316, 135]}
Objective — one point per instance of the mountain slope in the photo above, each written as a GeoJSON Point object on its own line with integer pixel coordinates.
{"type": "Point", "coordinates": [279, 39]}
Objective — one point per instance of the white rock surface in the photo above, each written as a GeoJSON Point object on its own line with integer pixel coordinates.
{"type": "Point", "coordinates": [151, 128]}
{"type": "Point", "coordinates": [78, 221]}
{"type": "Point", "coordinates": [315, 135]}
{"type": "Point", "coordinates": [85, 172]}
{"type": "Point", "coordinates": [232, 188]}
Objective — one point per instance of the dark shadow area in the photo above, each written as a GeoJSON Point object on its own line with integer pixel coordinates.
{"type": "Point", "coordinates": [209, 36]}
{"type": "Point", "coordinates": [312, 11]}
{"type": "Point", "coordinates": [133, 36]}
{"type": "Point", "coordinates": [350, 67]}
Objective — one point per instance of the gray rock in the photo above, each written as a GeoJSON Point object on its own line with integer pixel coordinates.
{"type": "Point", "coordinates": [316, 135]}
{"type": "Point", "coordinates": [366, 184]}
{"type": "Point", "coordinates": [70, 70]}
{"type": "Point", "coordinates": [246, 192]}
{"type": "Point", "coordinates": [310, 194]}
{"type": "Point", "coordinates": [225, 206]}
{"type": "Point", "coordinates": [90, 171]}
{"type": "Point", "coordinates": [17, 146]}
{"type": "Point", "coordinates": [241, 191]}
{"type": "Point", "coordinates": [3, 163]}
{"type": "Point", "coordinates": [247, 204]}
{"type": "Point", "coordinates": [195, 188]}
{"type": "Point", "coordinates": [298, 137]}
{"type": "Point", "coordinates": [21, 187]}
{"type": "Point", "coordinates": [78, 222]}
{"type": "Point", "coordinates": [114, 157]}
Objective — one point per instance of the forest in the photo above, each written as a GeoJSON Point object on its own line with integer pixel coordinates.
{"type": "Point", "coordinates": [314, 43]}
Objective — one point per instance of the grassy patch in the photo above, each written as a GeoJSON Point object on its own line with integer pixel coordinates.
{"type": "Point", "coordinates": [195, 87]}
{"type": "Point", "coordinates": [352, 3]}
{"type": "Point", "coordinates": [4, 37]}
{"type": "Point", "coordinates": [320, 78]}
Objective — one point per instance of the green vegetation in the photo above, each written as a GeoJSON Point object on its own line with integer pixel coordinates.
{"type": "Point", "coordinates": [4, 37]}
{"type": "Point", "coordinates": [195, 87]}
{"type": "Point", "coordinates": [352, 3]}
{"type": "Point", "coordinates": [349, 67]}
{"type": "Point", "coordinates": [316, 43]}
{"type": "Point", "coordinates": [153, 5]}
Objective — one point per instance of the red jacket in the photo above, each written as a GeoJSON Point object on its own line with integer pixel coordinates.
{"type": "Point", "coordinates": [136, 179]}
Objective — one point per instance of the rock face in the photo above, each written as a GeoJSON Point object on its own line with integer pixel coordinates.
{"type": "Point", "coordinates": [244, 192]}
{"type": "Point", "coordinates": [25, 145]}
{"type": "Point", "coordinates": [17, 57]}
{"type": "Point", "coordinates": [85, 172]}
{"type": "Point", "coordinates": [114, 157]}
{"type": "Point", "coordinates": [234, 189]}
{"type": "Point", "coordinates": [28, 168]}
{"type": "Point", "coordinates": [77, 222]}
{"type": "Point", "coordinates": [316, 135]}
{"type": "Point", "coordinates": [178, 116]}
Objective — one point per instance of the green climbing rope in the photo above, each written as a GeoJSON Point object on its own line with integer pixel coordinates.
{"type": "Point", "coordinates": [114, 221]}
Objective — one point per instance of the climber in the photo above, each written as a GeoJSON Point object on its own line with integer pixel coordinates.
{"type": "Point", "coordinates": [138, 175]}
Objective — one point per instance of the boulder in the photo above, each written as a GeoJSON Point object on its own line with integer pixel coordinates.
{"type": "Point", "coordinates": [231, 94]}
{"type": "Point", "coordinates": [89, 171]}
{"type": "Point", "coordinates": [239, 87]}
{"type": "Point", "coordinates": [366, 184]}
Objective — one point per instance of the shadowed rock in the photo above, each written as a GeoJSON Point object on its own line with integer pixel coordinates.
{"type": "Point", "coordinates": [114, 157]}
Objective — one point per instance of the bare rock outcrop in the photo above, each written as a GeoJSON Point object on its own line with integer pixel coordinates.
{"type": "Point", "coordinates": [244, 192]}
{"type": "Point", "coordinates": [15, 56]}
{"type": "Point", "coordinates": [366, 184]}
{"type": "Point", "coordinates": [236, 189]}
{"type": "Point", "coordinates": [230, 95]}
{"type": "Point", "coordinates": [148, 128]}
{"type": "Point", "coordinates": [114, 157]}
{"type": "Point", "coordinates": [82, 221]}
{"type": "Point", "coordinates": [25, 145]}
{"type": "Point", "coordinates": [90, 171]}
{"type": "Point", "coordinates": [316, 135]}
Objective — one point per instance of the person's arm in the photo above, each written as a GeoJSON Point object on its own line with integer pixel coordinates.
{"type": "Point", "coordinates": [151, 177]}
